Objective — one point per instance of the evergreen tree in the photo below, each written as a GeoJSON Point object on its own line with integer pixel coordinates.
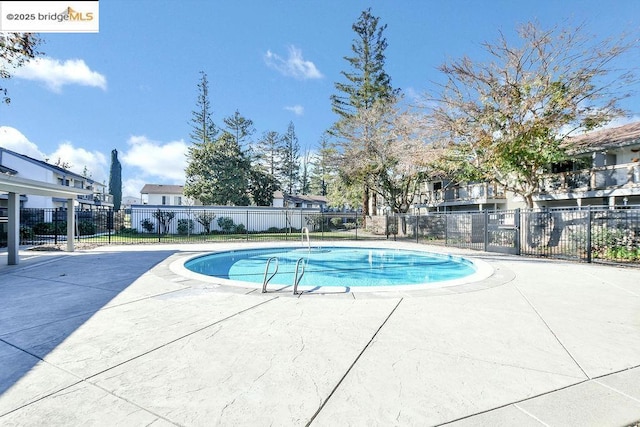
{"type": "Point", "coordinates": [290, 161]}
{"type": "Point", "coordinates": [262, 187]}
{"type": "Point", "coordinates": [115, 180]}
{"type": "Point", "coordinates": [320, 175]}
{"type": "Point", "coordinates": [368, 82]}
{"type": "Point", "coordinates": [305, 180]}
{"type": "Point", "coordinates": [218, 173]}
{"type": "Point", "coordinates": [268, 152]}
{"type": "Point", "coordinates": [368, 85]}
{"type": "Point", "coordinates": [203, 129]}
{"type": "Point", "coordinates": [241, 128]}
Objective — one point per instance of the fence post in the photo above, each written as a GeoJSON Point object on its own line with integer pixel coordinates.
{"type": "Point", "coordinates": [355, 219]}
{"type": "Point", "coordinates": [246, 229]}
{"type": "Point", "coordinates": [55, 225]}
{"type": "Point", "coordinates": [516, 224]}
{"type": "Point", "coordinates": [486, 230]}
{"type": "Point", "coordinates": [446, 230]}
{"type": "Point", "coordinates": [111, 216]}
{"type": "Point", "coordinates": [589, 218]}
{"type": "Point", "coordinates": [386, 224]}
{"type": "Point", "coordinates": [417, 227]}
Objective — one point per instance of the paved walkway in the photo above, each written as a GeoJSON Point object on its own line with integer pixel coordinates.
{"type": "Point", "coordinates": [114, 336]}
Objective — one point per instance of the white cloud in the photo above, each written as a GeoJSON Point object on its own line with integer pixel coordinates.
{"type": "Point", "coordinates": [294, 65]}
{"type": "Point", "coordinates": [156, 160]}
{"type": "Point", "coordinates": [298, 110]}
{"type": "Point", "coordinates": [132, 186]}
{"type": "Point", "coordinates": [12, 139]}
{"type": "Point", "coordinates": [79, 158]}
{"type": "Point", "coordinates": [55, 74]}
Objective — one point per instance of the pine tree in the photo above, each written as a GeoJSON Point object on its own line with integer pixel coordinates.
{"type": "Point", "coordinates": [290, 162]}
{"type": "Point", "coordinates": [203, 129]}
{"type": "Point", "coordinates": [115, 180]}
{"type": "Point", "coordinates": [218, 173]}
{"type": "Point", "coordinates": [268, 152]}
{"type": "Point", "coordinates": [241, 128]}
{"type": "Point", "coordinates": [368, 82]}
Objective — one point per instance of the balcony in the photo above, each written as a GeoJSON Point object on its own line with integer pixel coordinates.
{"type": "Point", "coordinates": [625, 175]}
{"type": "Point", "coordinates": [97, 199]}
{"type": "Point", "coordinates": [463, 194]}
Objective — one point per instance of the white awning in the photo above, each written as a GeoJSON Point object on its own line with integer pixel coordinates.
{"type": "Point", "coordinates": [18, 185]}
{"type": "Point", "coordinates": [15, 186]}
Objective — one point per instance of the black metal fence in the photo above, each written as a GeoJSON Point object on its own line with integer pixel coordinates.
{"type": "Point", "coordinates": [589, 234]}
{"type": "Point", "coordinates": [48, 227]}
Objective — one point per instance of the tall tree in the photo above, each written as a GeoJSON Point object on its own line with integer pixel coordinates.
{"type": "Point", "coordinates": [290, 161]}
{"type": "Point", "coordinates": [241, 128]}
{"type": "Point", "coordinates": [115, 180]}
{"type": "Point", "coordinates": [262, 186]}
{"type": "Point", "coordinates": [203, 129]}
{"type": "Point", "coordinates": [268, 152]}
{"type": "Point", "coordinates": [509, 118]}
{"type": "Point", "coordinates": [16, 49]}
{"type": "Point", "coordinates": [218, 173]}
{"type": "Point", "coordinates": [321, 171]}
{"type": "Point", "coordinates": [383, 151]}
{"type": "Point", "coordinates": [367, 84]}
{"type": "Point", "coordinates": [305, 173]}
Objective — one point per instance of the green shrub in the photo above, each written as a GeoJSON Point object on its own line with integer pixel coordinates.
{"type": "Point", "coordinates": [185, 226]}
{"type": "Point", "coordinates": [336, 222]}
{"type": "Point", "coordinates": [86, 228]}
{"type": "Point", "coordinates": [45, 228]}
{"type": "Point", "coordinates": [226, 224]}
{"type": "Point", "coordinates": [240, 229]}
{"type": "Point", "coordinates": [148, 225]}
{"type": "Point", "coordinates": [26, 233]}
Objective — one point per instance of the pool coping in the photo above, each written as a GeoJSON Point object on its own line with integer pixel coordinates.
{"type": "Point", "coordinates": [485, 277]}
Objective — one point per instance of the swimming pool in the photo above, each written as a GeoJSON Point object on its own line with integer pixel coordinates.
{"type": "Point", "coordinates": [345, 267]}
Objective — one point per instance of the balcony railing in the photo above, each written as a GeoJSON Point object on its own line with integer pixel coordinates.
{"type": "Point", "coordinates": [470, 193]}
{"type": "Point", "coordinates": [608, 177]}
{"type": "Point", "coordinates": [98, 199]}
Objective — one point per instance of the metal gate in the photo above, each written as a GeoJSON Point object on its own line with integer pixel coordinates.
{"type": "Point", "coordinates": [502, 231]}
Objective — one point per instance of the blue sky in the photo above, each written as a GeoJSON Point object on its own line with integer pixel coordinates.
{"type": "Point", "coordinates": [132, 86]}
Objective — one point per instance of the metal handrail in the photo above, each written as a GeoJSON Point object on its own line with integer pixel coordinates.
{"type": "Point", "coordinates": [296, 279]}
{"type": "Point", "coordinates": [266, 280]}
{"type": "Point", "coordinates": [303, 231]}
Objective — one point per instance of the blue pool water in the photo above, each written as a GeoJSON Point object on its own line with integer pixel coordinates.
{"type": "Point", "coordinates": [335, 266]}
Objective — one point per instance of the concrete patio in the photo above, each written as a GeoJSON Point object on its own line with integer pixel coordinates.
{"type": "Point", "coordinates": [114, 336]}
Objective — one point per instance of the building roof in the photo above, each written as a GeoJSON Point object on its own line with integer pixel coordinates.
{"type": "Point", "coordinates": [616, 137]}
{"type": "Point", "coordinates": [54, 168]}
{"type": "Point", "coordinates": [300, 197]}
{"type": "Point", "coordinates": [162, 189]}
{"type": "Point", "coordinates": [8, 171]}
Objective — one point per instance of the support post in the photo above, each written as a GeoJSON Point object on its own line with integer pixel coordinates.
{"type": "Point", "coordinates": [71, 224]}
{"type": "Point", "coordinates": [13, 236]}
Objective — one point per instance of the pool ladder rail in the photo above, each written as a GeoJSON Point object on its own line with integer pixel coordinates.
{"type": "Point", "coordinates": [296, 280]}
{"type": "Point", "coordinates": [266, 279]}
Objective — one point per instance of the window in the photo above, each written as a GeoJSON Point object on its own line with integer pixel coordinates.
{"type": "Point", "coordinates": [177, 200]}
{"type": "Point", "coordinates": [164, 200]}
{"type": "Point", "coordinates": [64, 182]}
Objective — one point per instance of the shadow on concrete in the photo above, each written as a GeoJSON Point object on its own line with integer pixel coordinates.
{"type": "Point", "coordinates": [43, 302]}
